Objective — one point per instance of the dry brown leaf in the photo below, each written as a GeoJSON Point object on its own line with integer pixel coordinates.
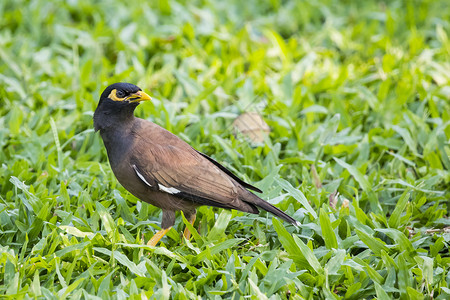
{"type": "Point", "coordinates": [252, 125]}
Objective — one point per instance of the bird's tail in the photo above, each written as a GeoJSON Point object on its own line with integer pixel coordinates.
{"type": "Point", "coordinates": [255, 200]}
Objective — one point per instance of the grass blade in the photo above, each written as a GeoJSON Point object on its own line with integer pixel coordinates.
{"type": "Point", "coordinates": [328, 234]}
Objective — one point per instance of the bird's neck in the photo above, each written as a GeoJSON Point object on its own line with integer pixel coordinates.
{"type": "Point", "coordinates": [113, 116]}
{"type": "Point", "coordinates": [115, 128]}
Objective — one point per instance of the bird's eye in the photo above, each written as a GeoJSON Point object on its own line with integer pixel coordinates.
{"type": "Point", "coordinates": [120, 93]}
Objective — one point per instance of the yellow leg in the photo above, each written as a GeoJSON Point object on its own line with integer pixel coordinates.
{"type": "Point", "coordinates": [187, 233]}
{"type": "Point", "coordinates": [155, 239]}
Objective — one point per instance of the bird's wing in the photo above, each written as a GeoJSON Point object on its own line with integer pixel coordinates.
{"type": "Point", "coordinates": [164, 162]}
{"type": "Point", "coordinates": [229, 173]}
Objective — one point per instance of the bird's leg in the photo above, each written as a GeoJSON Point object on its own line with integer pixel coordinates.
{"type": "Point", "coordinates": [191, 219]}
{"type": "Point", "coordinates": [168, 219]}
{"type": "Point", "coordinates": [159, 235]}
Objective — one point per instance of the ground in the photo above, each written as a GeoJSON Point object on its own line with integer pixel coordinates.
{"type": "Point", "coordinates": [357, 98]}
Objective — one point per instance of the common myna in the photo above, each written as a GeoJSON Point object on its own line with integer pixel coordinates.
{"type": "Point", "coordinates": [161, 169]}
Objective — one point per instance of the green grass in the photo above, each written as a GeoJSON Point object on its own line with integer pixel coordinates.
{"type": "Point", "coordinates": [357, 96]}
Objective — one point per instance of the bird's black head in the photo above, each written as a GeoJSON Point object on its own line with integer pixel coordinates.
{"type": "Point", "coordinates": [124, 92]}
{"type": "Point", "coordinates": [117, 102]}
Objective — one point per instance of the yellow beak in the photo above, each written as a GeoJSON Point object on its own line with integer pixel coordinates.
{"type": "Point", "coordinates": [139, 96]}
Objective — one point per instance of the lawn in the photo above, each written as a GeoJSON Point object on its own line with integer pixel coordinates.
{"type": "Point", "coordinates": [357, 98]}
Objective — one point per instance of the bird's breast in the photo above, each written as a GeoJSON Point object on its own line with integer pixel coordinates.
{"type": "Point", "coordinates": [118, 146]}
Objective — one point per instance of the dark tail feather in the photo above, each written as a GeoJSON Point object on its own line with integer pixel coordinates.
{"type": "Point", "coordinates": [255, 200]}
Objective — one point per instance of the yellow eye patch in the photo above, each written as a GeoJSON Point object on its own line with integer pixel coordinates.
{"type": "Point", "coordinates": [113, 96]}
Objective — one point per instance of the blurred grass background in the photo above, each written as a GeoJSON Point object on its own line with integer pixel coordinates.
{"type": "Point", "coordinates": [357, 97]}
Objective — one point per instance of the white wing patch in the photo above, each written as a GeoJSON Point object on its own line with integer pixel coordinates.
{"type": "Point", "coordinates": [169, 190]}
{"type": "Point", "coordinates": [141, 176]}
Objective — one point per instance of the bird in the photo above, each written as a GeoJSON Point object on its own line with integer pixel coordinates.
{"type": "Point", "coordinates": [159, 168]}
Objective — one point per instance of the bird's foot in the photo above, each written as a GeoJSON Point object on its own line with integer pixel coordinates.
{"type": "Point", "coordinates": [187, 233]}
{"type": "Point", "coordinates": [159, 235]}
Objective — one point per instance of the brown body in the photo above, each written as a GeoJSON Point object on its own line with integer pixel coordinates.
{"type": "Point", "coordinates": [159, 168]}
{"type": "Point", "coordinates": [194, 172]}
